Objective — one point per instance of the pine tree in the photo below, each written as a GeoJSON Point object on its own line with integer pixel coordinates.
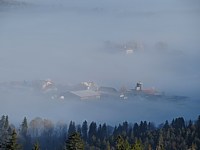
{"type": "Point", "coordinates": [74, 142]}
{"type": "Point", "coordinates": [25, 139]}
{"type": "Point", "coordinates": [104, 131]}
{"type": "Point", "coordinates": [84, 130]}
{"type": "Point", "coordinates": [72, 128]}
{"type": "Point", "coordinates": [2, 122]}
{"type": "Point", "coordinates": [92, 133]}
{"type": "Point", "coordinates": [79, 129]}
{"type": "Point", "coordinates": [120, 144]}
{"type": "Point", "coordinates": [6, 125]}
{"type": "Point", "coordinates": [12, 142]}
{"type": "Point", "coordinates": [124, 128]}
{"type": "Point", "coordinates": [24, 127]}
{"type": "Point", "coordinates": [3, 132]}
{"type": "Point", "coordinates": [99, 132]}
{"type": "Point", "coordinates": [137, 145]}
{"type": "Point", "coordinates": [160, 145]}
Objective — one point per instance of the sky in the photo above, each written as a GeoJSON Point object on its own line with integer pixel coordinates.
{"type": "Point", "coordinates": [65, 40]}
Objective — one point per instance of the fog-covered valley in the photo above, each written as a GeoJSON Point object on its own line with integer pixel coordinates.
{"type": "Point", "coordinates": [19, 101]}
{"type": "Point", "coordinates": [113, 43]}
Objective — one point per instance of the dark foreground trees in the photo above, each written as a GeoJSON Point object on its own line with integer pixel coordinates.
{"type": "Point", "coordinates": [11, 143]}
{"type": "Point", "coordinates": [43, 134]}
{"type": "Point", "coordinates": [74, 142]}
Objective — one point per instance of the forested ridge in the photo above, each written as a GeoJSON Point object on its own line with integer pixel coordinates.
{"type": "Point", "coordinates": [42, 134]}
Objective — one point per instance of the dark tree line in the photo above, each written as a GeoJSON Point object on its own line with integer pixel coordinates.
{"type": "Point", "coordinates": [40, 134]}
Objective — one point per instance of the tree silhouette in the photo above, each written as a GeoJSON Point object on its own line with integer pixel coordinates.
{"type": "Point", "coordinates": [74, 142]}
{"type": "Point", "coordinates": [12, 142]}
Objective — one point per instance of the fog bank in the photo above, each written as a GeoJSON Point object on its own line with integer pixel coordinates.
{"type": "Point", "coordinates": [74, 41]}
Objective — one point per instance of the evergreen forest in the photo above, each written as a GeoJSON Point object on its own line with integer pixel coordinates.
{"type": "Point", "coordinates": [42, 134]}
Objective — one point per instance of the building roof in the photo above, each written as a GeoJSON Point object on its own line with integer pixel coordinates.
{"type": "Point", "coordinates": [86, 93]}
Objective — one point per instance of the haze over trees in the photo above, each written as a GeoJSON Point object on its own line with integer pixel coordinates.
{"type": "Point", "coordinates": [113, 43]}
{"type": "Point", "coordinates": [43, 134]}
